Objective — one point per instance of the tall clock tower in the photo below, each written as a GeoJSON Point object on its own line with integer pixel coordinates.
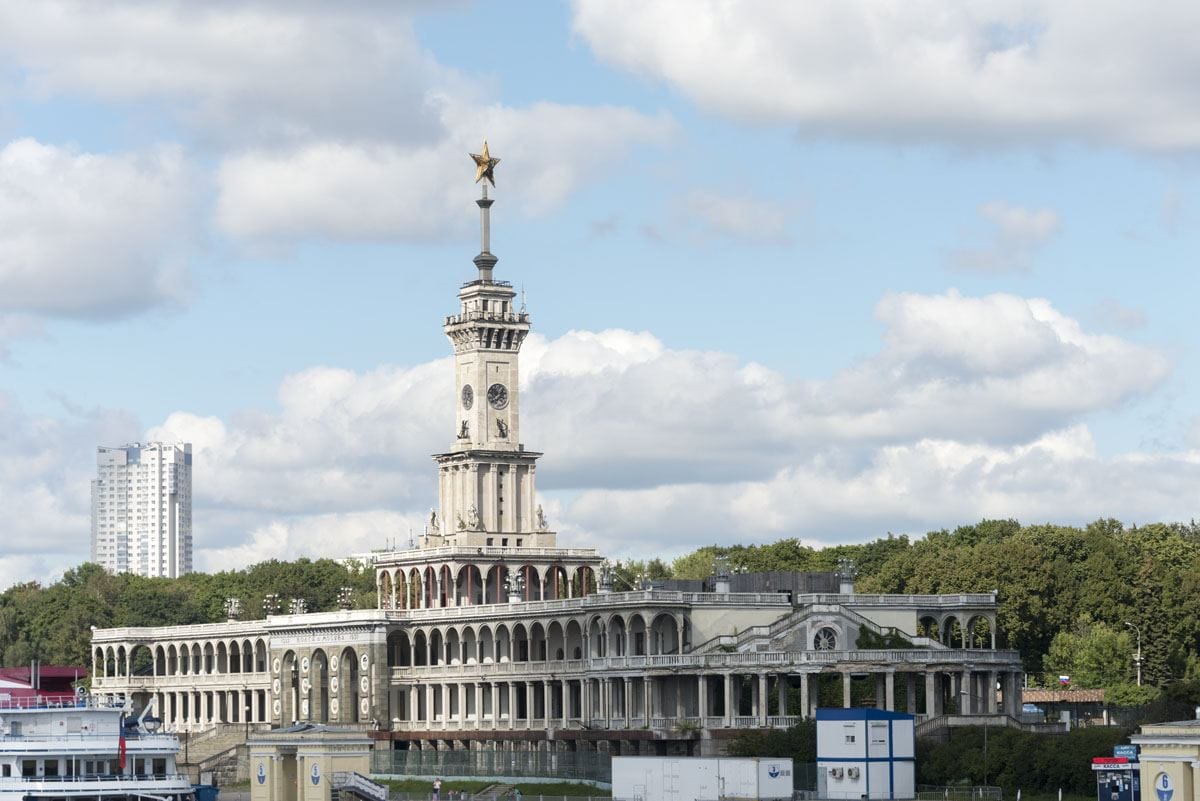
{"type": "Point", "coordinates": [486, 480]}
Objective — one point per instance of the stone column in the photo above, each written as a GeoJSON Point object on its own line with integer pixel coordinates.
{"type": "Point", "coordinates": [764, 700]}
{"type": "Point", "coordinates": [512, 704]}
{"type": "Point", "coordinates": [626, 698]}
{"type": "Point", "coordinates": [805, 707]}
{"type": "Point", "coordinates": [528, 704]}
{"type": "Point", "coordinates": [889, 684]}
{"type": "Point", "coordinates": [429, 709]}
{"type": "Point", "coordinates": [647, 698]}
{"type": "Point", "coordinates": [846, 690]}
{"type": "Point", "coordinates": [479, 705]}
{"type": "Point", "coordinates": [990, 694]}
{"type": "Point", "coordinates": [880, 692]}
{"type": "Point", "coordinates": [930, 694]}
{"type": "Point", "coordinates": [702, 697]}
{"type": "Point", "coordinates": [965, 703]}
{"type": "Point", "coordinates": [730, 704]}
{"type": "Point", "coordinates": [547, 703]}
{"type": "Point", "coordinates": [462, 704]}
{"type": "Point", "coordinates": [910, 693]}
{"type": "Point", "coordinates": [781, 689]}
{"type": "Point", "coordinates": [585, 700]}
{"type": "Point", "coordinates": [566, 702]}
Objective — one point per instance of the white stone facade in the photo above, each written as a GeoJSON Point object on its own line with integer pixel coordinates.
{"type": "Point", "coordinates": [142, 509]}
{"type": "Point", "coordinates": [487, 633]}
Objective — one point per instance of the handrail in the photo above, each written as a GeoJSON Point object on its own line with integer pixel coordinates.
{"type": "Point", "coordinates": [512, 553]}
{"type": "Point", "coordinates": [878, 599]}
{"type": "Point", "coordinates": [75, 702]}
{"type": "Point", "coordinates": [105, 777]}
{"type": "Point", "coordinates": [360, 784]}
{"type": "Point", "coordinates": [591, 602]}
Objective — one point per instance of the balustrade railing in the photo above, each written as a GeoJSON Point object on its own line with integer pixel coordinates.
{"type": "Point", "coordinates": [894, 659]}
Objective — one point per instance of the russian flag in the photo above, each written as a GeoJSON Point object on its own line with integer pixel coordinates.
{"type": "Point", "coordinates": [121, 752]}
{"type": "Point", "coordinates": [1064, 679]}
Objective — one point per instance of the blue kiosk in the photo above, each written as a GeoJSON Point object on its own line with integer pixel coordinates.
{"type": "Point", "coordinates": [1118, 777]}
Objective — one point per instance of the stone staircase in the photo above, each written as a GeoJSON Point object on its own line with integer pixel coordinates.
{"type": "Point", "coordinates": [766, 637]}
{"type": "Point", "coordinates": [349, 785]}
{"type": "Point", "coordinates": [215, 750]}
{"type": "Point", "coordinates": [497, 792]}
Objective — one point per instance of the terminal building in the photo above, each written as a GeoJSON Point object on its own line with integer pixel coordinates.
{"type": "Point", "coordinates": [489, 635]}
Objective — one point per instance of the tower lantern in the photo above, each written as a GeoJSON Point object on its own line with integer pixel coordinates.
{"type": "Point", "coordinates": [486, 480]}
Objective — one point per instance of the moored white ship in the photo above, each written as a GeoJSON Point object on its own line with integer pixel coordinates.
{"type": "Point", "coordinates": [85, 749]}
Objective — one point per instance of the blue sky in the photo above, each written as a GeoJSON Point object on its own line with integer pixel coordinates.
{"type": "Point", "coordinates": [819, 270]}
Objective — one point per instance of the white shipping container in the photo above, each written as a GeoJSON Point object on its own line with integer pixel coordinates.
{"type": "Point", "coordinates": [701, 778]}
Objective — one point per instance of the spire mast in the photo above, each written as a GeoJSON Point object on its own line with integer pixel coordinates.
{"type": "Point", "coordinates": [484, 171]}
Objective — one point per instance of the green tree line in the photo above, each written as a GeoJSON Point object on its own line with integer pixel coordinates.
{"type": "Point", "coordinates": [53, 623]}
{"type": "Point", "coordinates": [1072, 600]}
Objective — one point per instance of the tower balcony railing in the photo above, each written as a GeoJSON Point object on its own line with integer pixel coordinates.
{"type": "Point", "coordinates": [487, 316]}
{"type": "Point", "coordinates": [478, 281]}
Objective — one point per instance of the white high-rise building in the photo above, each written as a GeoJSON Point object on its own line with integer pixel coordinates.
{"type": "Point", "coordinates": [142, 509]}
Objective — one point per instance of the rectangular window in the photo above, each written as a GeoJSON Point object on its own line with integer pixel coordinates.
{"type": "Point", "coordinates": [6, 770]}
{"type": "Point", "coordinates": [160, 766]}
{"type": "Point", "coordinates": [28, 767]}
{"type": "Point", "coordinates": [51, 767]}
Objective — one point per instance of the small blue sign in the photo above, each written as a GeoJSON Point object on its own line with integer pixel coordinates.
{"type": "Point", "coordinates": [1130, 752]}
{"type": "Point", "coordinates": [773, 771]}
{"type": "Point", "coordinates": [1164, 787]}
{"type": "Point", "coordinates": [316, 776]}
{"type": "Point", "coordinates": [262, 773]}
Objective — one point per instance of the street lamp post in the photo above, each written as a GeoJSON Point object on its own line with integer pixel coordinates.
{"type": "Point", "coordinates": [1137, 660]}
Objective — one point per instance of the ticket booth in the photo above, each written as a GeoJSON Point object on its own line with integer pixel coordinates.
{"type": "Point", "coordinates": [306, 762]}
{"type": "Point", "coordinates": [1118, 778]}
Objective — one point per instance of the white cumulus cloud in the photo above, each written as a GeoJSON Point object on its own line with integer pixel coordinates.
{"type": "Point", "coordinates": [92, 235]}
{"type": "Point", "coordinates": [1016, 234]}
{"type": "Point", "coordinates": [970, 72]}
{"type": "Point", "coordinates": [972, 406]}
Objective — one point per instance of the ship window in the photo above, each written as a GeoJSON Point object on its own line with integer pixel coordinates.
{"type": "Point", "coordinates": [6, 770]}
{"type": "Point", "coordinates": [28, 767]}
{"type": "Point", "coordinates": [51, 767]}
{"type": "Point", "coordinates": [160, 766]}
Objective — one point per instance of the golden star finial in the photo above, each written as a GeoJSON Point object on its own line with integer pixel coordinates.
{"type": "Point", "coordinates": [484, 164]}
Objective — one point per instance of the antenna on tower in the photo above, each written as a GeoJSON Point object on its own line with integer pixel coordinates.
{"type": "Point", "coordinates": [522, 298]}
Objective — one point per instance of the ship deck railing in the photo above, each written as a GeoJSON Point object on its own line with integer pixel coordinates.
{"type": "Point", "coordinates": [100, 777]}
{"type": "Point", "coordinates": [73, 702]}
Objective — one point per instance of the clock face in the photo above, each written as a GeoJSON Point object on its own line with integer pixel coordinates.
{"type": "Point", "coordinates": [468, 396]}
{"type": "Point", "coordinates": [498, 396]}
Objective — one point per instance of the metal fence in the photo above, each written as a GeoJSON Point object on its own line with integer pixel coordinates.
{"type": "Point", "coordinates": [929, 793]}
{"type": "Point", "coordinates": [567, 766]}
{"type": "Point", "coordinates": [489, 795]}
